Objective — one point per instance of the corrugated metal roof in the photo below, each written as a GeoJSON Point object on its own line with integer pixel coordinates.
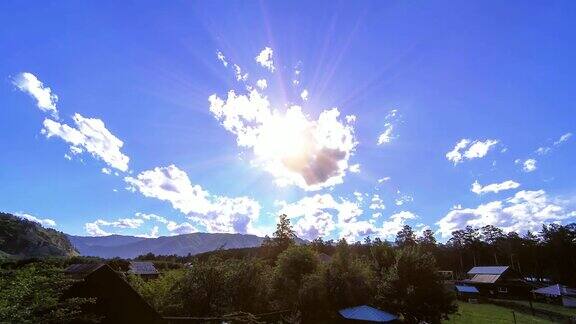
{"type": "Point", "coordinates": [484, 278]}
{"type": "Point", "coordinates": [488, 270]}
{"type": "Point", "coordinates": [467, 289]}
{"type": "Point", "coordinates": [556, 290]}
{"type": "Point", "coordinates": [367, 313]}
{"type": "Point", "coordinates": [142, 268]}
{"type": "Point", "coordinates": [82, 269]}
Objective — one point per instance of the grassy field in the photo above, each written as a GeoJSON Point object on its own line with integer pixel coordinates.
{"type": "Point", "coordinates": [549, 307]}
{"type": "Point", "coordinates": [487, 313]}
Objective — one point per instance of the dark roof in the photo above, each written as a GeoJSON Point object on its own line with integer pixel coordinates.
{"type": "Point", "coordinates": [81, 270]}
{"type": "Point", "coordinates": [556, 290]}
{"type": "Point", "coordinates": [488, 270]}
{"type": "Point", "coordinates": [142, 268]}
{"type": "Point", "coordinates": [367, 313]}
{"type": "Point", "coordinates": [467, 289]}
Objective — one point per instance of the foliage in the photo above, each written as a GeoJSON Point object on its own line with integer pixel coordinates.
{"type": "Point", "coordinates": [413, 288]}
{"type": "Point", "coordinates": [23, 238]}
{"type": "Point", "coordinates": [33, 294]}
{"type": "Point", "coordinates": [158, 292]}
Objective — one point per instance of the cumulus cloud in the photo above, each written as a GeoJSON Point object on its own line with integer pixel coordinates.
{"type": "Point", "coordinates": [466, 149]}
{"type": "Point", "coordinates": [387, 135]}
{"type": "Point", "coordinates": [95, 228]}
{"type": "Point", "coordinates": [377, 203]}
{"type": "Point", "coordinates": [355, 168]}
{"type": "Point", "coordinates": [182, 228]}
{"type": "Point", "coordinates": [238, 73]}
{"type": "Point", "coordinates": [262, 84]}
{"type": "Point", "coordinates": [528, 165]}
{"type": "Point", "coordinates": [478, 189]}
{"type": "Point", "coordinates": [106, 171]}
{"type": "Point", "coordinates": [45, 99]}
{"type": "Point", "coordinates": [395, 223]}
{"type": "Point", "coordinates": [91, 135]}
{"type": "Point", "coordinates": [350, 118]}
{"type": "Point", "coordinates": [319, 215]}
{"type": "Point", "coordinates": [526, 210]}
{"type": "Point", "coordinates": [304, 95]}
{"type": "Point", "coordinates": [311, 154]}
{"type": "Point", "coordinates": [216, 213]}
{"type": "Point", "coordinates": [265, 59]}
{"type": "Point", "coordinates": [46, 222]}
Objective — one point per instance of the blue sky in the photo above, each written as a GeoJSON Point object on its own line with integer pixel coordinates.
{"type": "Point", "coordinates": [350, 134]}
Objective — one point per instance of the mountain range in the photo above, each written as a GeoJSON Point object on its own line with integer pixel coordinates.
{"type": "Point", "coordinates": [184, 244]}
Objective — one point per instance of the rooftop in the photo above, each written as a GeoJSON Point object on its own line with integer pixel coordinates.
{"type": "Point", "coordinates": [492, 270]}
{"type": "Point", "coordinates": [142, 268]}
{"type": "Point", "coordinates": [367, 313]}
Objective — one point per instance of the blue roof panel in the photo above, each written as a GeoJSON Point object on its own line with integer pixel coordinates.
{"type": "Point", "coordinates": [467, 289]}
{"type": "Point", "coordinates": [367, 313]}
{"type": "Point", "coordinates": [488, 270]}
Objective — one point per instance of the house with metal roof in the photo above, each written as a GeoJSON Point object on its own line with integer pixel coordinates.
{"type": "Point", "coordinates": [366, 314]}
{"type": "Point", "coordinates": [144, 269]}
{"type": "Point", "coordinates": [497, 281]}
{"type": "Point", "coordinates": [116, 301]}
{"type": "Point", "coordinates": [559, 293]}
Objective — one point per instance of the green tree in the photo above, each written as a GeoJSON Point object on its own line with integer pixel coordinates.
{"type": "Point", "coordinates": [348, 279]}
{"type": "Point", "coordinates": [293, 265]}
{"type": "Point", "coordinates": [158, 292]}
{"type": "Point", "coordinates": [413, 288]}
{"type": "Point", "coordinates": [406, 237]}
{"type": "Point", "coordinates": [34, 294]}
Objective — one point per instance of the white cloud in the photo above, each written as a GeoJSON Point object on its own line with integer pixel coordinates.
{"type": "Point", "coordinates": [563, 139]}
{"type": "Point", "coordinates": [526, 210]}
{"type": "Point", "coordinates": [478, 189]}
{"type": "Point", "coordinates": [384, 179]}
{"type": "Point", "coordinates": [45, 99]}
{"type": "Point", "coordinates": [262, 84]}
{"type": "Point", "coordinates": [529, 165]}
{"type": "Point", "coordinates": [395, 223]}
{"type": "Point", "coordinates": [403, 199]}
{"type": "Point", "coordinates": [355, 168]}
{"type": "Point", "coordinates": [155, 217]}
{"type": "Point", "coordinates": [265, 59]}
{"type": "Point", "coordinates": [222, 58]}
{"type": "Point", "coordinates": [106, 171]}
{"type": "Point", "coordinates": [46, 222]}
{"type": "Point", "coordinates": [153, 233]}
{"type": "Point", "coordinates": [543, 150]}
{"type": "Point", "coordinates": [546, 149]}
{"type": "Point", "coordinates": [91, 135]}
{"type": "Point", "coordinates": [95, 228]}
{"type": "Point", "coordinates": [474, 150]}
{"type": "Point", "coordinates": [358, 196]}
{"type": "Point", "coordinates": [238, 73]}
{"type": "Point", "coordinates": [216, 213]}
{"type": "Point", "coordinates": [311, 154]}
{"type": "Point", "coordinates": [182, 228]}
{"type": "Point", "coordinates": [350, 118]}
{"type": "Point", "coordinates": [315, 215]}
{"type": "Point", "coordinates": [377, 203]}
{"type": "Point", "coordinates": [387, 136]}
{"type": "Point", "coordinates": [304, 95]}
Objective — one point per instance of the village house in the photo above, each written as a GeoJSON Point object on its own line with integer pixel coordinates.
{"type": "Point", "coordinates": [116, 300]}
{"type": "Point", "coordinates": [497, 282]}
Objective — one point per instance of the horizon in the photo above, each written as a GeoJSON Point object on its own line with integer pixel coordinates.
{"type": "Point", "coordinates": [218, 117]}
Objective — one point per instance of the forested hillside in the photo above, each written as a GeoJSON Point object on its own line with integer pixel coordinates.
{"type": "Point", "coordinates": [23, 238]}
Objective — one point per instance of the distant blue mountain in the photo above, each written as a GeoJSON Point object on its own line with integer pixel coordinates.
{"type": "Point", "coordinates": [132, 246]}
